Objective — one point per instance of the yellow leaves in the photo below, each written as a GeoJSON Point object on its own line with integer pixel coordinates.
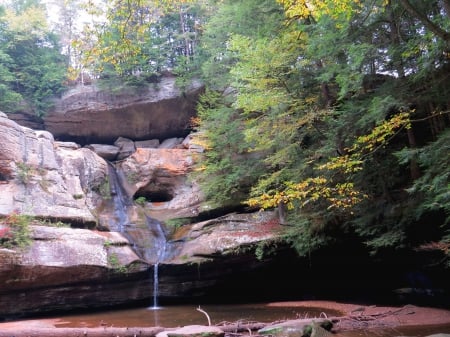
{"type": "Point", "coordinates": [346, 163]}
{"type": "Point", "coordinates": [338, 194]}
{"type": "Point", "coordinates": [342, 196]}
{"type": "Point", "coordinates": [32, 21]}
{"type": "Point", "coordinates": [382, 133]}
{"type": "Point", "coordinates": [336, 9]}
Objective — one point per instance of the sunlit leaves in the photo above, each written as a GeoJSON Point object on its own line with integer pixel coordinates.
{"type": "Point", "coordinates": [317, 8]}
{"type": "Point", "coordinates": [338, 191]}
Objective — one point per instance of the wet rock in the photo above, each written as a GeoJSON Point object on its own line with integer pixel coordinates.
{"type": "Point", "coordinates": [160, 177]}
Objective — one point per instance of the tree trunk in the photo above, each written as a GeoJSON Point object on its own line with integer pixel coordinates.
{"type": "Point", "coordinates": [413, 166]}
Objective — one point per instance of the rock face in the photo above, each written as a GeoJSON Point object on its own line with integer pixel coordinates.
{"type": "Point", "coordinates": [159, 177]}
{"type": "Point", "coordinates": [70, 268]}
{"type": "Point", "coordinates": [90, 115]}
{"type": "Point", "coordinates": [47, 179]}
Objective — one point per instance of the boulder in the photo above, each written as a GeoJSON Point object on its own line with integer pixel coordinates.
{"type": "Point", "coordinates": [170, 143]}
{"type": "Point", "coordinates": [299, 328]}
{"type": "Point", "coordinates": [126, 147]}
{"type": "Point", "coordinates": [88, 114]}
{"type": "Point", "coordinates": [107, 152]}
{"type": "Point", "coordinates": [223, 235]}
{"type": "Point", "coordinates": [190, 144]}
{"type": "Point", "coordinates": [150, 144]}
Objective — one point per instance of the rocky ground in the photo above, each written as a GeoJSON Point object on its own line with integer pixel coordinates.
{"type": "Point", "coordinates": [378, 316]}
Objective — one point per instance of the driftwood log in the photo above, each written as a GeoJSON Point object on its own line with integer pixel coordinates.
{"type": "Point", "coordinates": [80, 332]}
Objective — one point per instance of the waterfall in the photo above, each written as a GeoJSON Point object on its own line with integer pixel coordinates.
{"type": "Point", "coordinates": [149, 243]}
{"type": "Point", "coordinates": [160, 246]}
{"type": "Point", "coordinates": [155, 286]}
{"type": "Point", "coordinates": [119, 198]}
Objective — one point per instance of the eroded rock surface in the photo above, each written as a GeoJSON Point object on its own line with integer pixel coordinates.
{"type": "Point", "coordinates": [70, 268]}
{"type": "Point", "coordinates": [87, 114]}
{"type": "Point", "coordinates": [159, 177]}
{"type": "Point", "coordinates": [47, 179]}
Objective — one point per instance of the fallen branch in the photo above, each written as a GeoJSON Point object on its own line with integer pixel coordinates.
{"type": "Point", "coordinates": [206, 314]}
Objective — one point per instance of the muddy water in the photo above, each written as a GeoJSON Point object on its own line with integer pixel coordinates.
{"type": "Point", "coordinates": [173, 316]}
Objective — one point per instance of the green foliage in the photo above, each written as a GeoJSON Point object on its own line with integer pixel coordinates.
{"type": "Point", "coordinates": [177, 222]}
{"type": "Point", "coordinates": [24, 172]}
{"type": "Point", "coordinates": [249, 18]}
{"type": "Point", "coordinates": [16, 232]}
{"type": "Point", "coordinates": [114, 263]}
{"type": "Point", "coordinates": [140, 201]}
{"type": "Point", "coordinates": [103, 188]}
{"type": "Point", "coordinates": [433, 187]}
{"type": "Point", "coordinates": [139, 39]}
{"type": "Point", "coordinates": [33, 69]}
{"type": "Point", "coordinates": [227, 168]}
{"type": "Point", "coordinates": [320, 106]}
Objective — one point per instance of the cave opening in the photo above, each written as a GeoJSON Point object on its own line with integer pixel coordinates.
{"type": "Point", "coordinates": [153, 196]}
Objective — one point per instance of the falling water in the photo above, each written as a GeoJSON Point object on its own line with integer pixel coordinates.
{"type": "Point", "coordinates": [119, 198]}
{"type": "Point", "coordinates": [160, 245]}
{"type": "Point", "coordinates": [155, 286]}
{"type": "Point", "coordinates": [121, 201]}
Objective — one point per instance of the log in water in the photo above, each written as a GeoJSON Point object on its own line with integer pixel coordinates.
{"type": "Point", "coordinates": [80, 332]}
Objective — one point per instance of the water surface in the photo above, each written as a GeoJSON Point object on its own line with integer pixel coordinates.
{"type": "Point", "coordinates": [181, 315]}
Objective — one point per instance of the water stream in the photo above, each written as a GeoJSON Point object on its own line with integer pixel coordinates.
{"type": "Point", "coordinates": [160, 246]}
{"type": "Point", "coordinates": [150, 243]}
{"type": "Point", "coordinates": [120, 199]}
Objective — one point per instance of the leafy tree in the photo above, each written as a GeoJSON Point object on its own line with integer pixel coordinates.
{"type": "Point", "coordinates": [139, 38]}
{"type": "Point", "coordinates": [34, 69]}
{"type": "Point", "coordinates": [232, 163]}
{"type": "Point", "coordinates": [326, 102]}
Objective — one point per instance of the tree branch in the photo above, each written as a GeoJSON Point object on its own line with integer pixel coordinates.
{"type": "Point", "coordinates": [438, 31]}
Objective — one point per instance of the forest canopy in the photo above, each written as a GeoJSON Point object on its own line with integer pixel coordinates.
{"type": "Point", "coordinates": [336, 113]}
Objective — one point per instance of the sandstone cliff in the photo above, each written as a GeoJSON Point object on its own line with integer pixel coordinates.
{"type": "Point", "coordinates": [109, 261]}
{"type": "Point", "coordinates": [88, 114]}
{"type": "Point", "coordinates": [47, 179]}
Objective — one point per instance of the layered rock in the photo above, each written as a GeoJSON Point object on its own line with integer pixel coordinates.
{"type": "Point", "coordinates": [47, 179]}
{"type": "Point", "coordinates": [67, 268]}
{"type": "Point", "coordinates": [88, 114]}
{"type": "Point", "coordinates": [158, 177]}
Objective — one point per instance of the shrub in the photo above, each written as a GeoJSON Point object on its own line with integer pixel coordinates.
{"type": "Point", "coordinates": [17, 231]}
